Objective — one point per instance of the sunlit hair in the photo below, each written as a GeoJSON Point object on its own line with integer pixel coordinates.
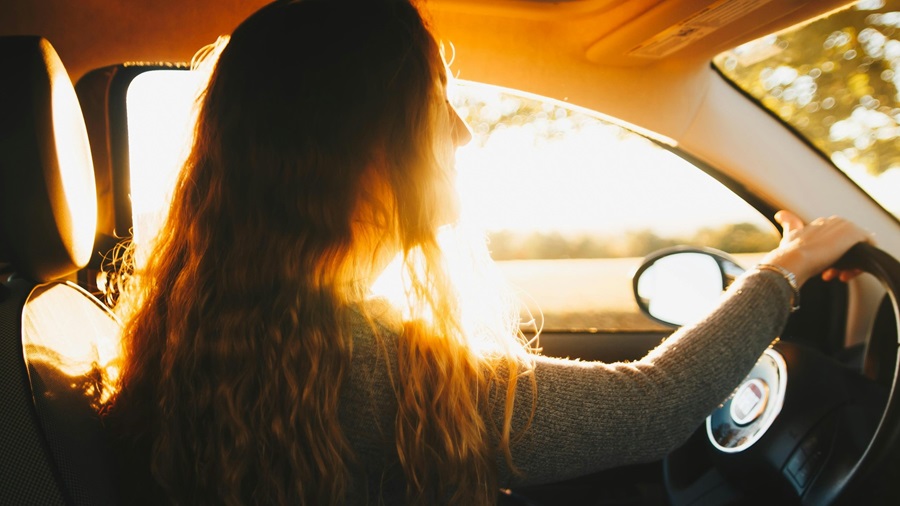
{"type": "Point", "coordinates": [317, 157]}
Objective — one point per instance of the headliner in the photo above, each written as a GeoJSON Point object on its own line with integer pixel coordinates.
{"type": "Point", "coordinates": [491, 36]}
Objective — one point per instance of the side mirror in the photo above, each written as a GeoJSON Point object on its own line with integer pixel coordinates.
{"type": "Point", "coordinates": [678, 286]}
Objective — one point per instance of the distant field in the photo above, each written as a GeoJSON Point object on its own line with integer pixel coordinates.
{"type": "Point", "coordinates": [584, 294]}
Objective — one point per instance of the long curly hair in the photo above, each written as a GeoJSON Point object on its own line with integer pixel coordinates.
{"type": "Point", "coordinates": [318, 154]}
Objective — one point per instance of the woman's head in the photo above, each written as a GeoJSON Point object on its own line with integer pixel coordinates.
{"type": "Point", "coordinates": [331, 116]}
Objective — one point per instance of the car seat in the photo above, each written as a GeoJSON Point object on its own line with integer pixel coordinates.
{"type": "Point", "coordinates": [57, 342]}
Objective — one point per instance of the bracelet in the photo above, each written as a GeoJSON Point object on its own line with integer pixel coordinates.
{"type": "Point", "coordinates": [790, 278]}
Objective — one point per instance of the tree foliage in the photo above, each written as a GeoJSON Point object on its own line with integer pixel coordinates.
{"type": "Point", "coordinates": [835, 80]}
{"type": "Point", "coordinates": [737, 238]}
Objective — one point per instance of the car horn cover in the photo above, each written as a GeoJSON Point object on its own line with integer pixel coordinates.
{"type": "Point", "coordinates": [743, 419]}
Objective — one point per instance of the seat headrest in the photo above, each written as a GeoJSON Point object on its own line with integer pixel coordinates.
{"type": "Point", "coordinates": [48, 200]}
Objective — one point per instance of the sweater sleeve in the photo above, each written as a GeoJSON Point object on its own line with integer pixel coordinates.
{"type": "Point", "coordinates": [590, 415]}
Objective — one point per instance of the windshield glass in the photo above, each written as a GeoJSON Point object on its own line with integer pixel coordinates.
{"type": "Point", "coordinates": [569, 203]}
{"type": "Point", "coordinates": [835, 81]}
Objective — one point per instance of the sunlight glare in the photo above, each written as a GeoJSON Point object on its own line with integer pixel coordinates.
{"type": "Point", "coordinates": [161, 114]}
{"type": "Point", "coordinates": [75, 167]}
{"type": "Point", "coordinates": [482, 290]}
{"type": "Point", "coordinates": [516, 178]}
{"type": "Point", "coordinates": [69, 341]}
{"type": "Point", "coordinates": [884, 187]}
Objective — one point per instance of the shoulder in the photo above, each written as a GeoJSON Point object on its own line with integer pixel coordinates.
{"type": "Point", "coordinates": [374, 329]}
{"type": "Point", "coordinates": [375, 317]}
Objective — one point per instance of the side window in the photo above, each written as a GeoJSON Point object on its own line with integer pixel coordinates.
{"type": "Point", "coordinates": [570, 203]}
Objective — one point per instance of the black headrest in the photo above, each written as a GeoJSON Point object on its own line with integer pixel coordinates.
{"type": "Point", "coordinates": [48, 200]}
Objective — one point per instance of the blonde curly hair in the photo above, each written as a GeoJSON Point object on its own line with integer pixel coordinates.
{"type": "Point", "coordinates": [318, 154]}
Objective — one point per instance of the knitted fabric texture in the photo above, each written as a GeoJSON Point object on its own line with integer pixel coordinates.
{"type": "Point", "coordinates": [589, 416]}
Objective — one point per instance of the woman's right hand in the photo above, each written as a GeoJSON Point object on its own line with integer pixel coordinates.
{"type": "Point", "coordinates": [807, 250]}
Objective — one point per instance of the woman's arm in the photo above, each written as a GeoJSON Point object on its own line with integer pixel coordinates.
{"type": "Point", "coordinates": [591, 416]}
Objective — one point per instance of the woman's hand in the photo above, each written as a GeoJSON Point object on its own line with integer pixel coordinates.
{"type": "Point", "coordinates": [807, 250]}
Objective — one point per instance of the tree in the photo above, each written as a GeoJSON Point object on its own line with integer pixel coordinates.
{"type": "Point", "coordinates": [835, 80]}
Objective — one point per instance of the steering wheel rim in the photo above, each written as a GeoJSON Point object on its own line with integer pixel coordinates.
{"type": "Point", "coordinates": [886, 269]}
{"type": "Point", "coordinates": [845, 463]}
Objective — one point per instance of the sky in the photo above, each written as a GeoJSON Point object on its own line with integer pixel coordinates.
{"type": "Point", "coordinates": [591, 180]}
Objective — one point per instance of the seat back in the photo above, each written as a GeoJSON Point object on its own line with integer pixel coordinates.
{"type": "Point", "coordinates": [56, 341]}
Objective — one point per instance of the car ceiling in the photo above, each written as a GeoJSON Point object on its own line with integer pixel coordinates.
{"type": "Point", "coordinates": [607, 33]}
{"type": "Point", "coordinates": [593, 53]}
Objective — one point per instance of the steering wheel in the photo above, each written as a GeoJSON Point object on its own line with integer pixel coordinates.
{"type": "Point", "coordinates": [802, 428]}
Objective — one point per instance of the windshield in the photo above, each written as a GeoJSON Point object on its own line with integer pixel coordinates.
{"type": "Point", "coordinates": [835, 81]}
{"type": "Point", "coordinates": [569, 203]}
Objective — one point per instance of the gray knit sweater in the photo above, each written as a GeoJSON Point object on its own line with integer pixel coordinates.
{"type": "Point", "coordinates": [589, 415]}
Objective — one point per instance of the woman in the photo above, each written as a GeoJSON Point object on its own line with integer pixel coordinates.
{"type": "Point", "coordinates": [257, 370]}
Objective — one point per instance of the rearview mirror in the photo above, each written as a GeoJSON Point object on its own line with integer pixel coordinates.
{"type": "Point", "coordinates": [678, 286]}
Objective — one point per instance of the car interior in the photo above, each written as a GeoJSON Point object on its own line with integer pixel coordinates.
{"type": "Point", "coordinates": [54, 333]}
{"type": "Point", "coordinates": [70, 189]}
